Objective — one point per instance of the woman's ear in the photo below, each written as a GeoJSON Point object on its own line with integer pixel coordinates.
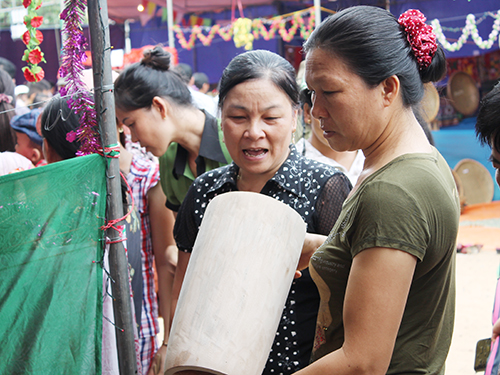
{"type": "Point", "coordinates": [161, 105]}
{"type": "Point", "coordinates": [390, 89]}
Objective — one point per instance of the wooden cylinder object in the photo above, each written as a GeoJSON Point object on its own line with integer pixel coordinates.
{"type": "Point", "coordinates": [236, 284]}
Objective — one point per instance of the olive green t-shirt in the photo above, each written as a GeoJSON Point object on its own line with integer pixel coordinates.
{"type": "Point", "coordinates": [175, 175]}
{"type": "Point", "coordinates": [410, 204]}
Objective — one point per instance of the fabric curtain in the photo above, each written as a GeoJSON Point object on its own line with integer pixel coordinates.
{"type": "Point", "coordinates": [51, 250]}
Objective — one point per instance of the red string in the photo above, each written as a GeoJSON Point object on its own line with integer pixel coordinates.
{"type": "Point", "coordinates": [111, 223]}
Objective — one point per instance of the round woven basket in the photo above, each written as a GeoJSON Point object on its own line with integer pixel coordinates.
{"type": "Point", "coordinates": [463, 93]}
{"type": "Point", "coordinates": [476, 181]}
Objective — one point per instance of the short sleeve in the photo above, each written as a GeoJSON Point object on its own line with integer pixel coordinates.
{"type": "Point", "coordinates": [186, 228]}
{"type": "Point", "coordinates": [388, 215]}
{"type": "Point", "coordinates": [329, 203]}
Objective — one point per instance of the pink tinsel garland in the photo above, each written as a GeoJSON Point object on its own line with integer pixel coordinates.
{"type": "Point", "coordinates": [81, 101]}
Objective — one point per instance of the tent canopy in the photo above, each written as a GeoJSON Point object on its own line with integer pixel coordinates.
{"type": "Point", "coordinates": [120, 10]}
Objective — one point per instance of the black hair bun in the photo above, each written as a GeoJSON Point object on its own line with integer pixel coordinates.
{"type": "Point", "coordinates": [156, 58]}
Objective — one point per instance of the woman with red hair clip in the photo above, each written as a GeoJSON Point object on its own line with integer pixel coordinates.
{"type": "Point", "coordinates": [386, 273]}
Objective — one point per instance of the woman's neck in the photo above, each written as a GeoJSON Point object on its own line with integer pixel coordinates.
{"type": "Point", "coordinates": [189, 124]}
{"type": "Point", "coordinates": [403, 136]}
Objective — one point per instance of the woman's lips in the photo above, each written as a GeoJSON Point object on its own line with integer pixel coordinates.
{"type": "Point", "coordinates": [255, 152]}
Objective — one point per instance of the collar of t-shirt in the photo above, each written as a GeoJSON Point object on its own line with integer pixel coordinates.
{"type": "Point", "coordinates": [209, 149]}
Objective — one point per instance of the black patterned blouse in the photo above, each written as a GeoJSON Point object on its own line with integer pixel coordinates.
{"type": "Point", "coordinates": [316, 191]}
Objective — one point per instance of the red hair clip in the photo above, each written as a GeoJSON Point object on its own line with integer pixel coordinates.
{"type": "Point", "coordinates": [420, 36]}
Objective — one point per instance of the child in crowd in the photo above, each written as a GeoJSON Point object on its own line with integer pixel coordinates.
{"type": "Point", "coordinates": [29, 142]}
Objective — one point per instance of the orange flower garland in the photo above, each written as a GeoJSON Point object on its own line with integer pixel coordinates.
{"type": "Point", "coordinates": [33, 55]}
{"type": "Point", "coordinates": [207, 40]}
{"type": "Point", "coordinates": [288, 35]}
{"type": "Point", "coordinates": [182, 40]}
{"type": "Point", "coordinates": [226, 33]}
{"type": "Point", "coordinates": [260, 29]}
{"type": "Point", "coordinates": [305, 31]}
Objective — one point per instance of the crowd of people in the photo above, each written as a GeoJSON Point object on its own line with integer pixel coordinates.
{"type": "Point", "coordinates": [375, 288]}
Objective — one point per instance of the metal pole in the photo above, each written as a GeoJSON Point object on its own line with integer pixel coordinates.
{"type": "Point", "coordinates": [170, 24]}
{"type": "Point", "coordinates": [128, 44]}
{"type": "Point", "coordinates": [105, 109]}
{"type": "Point", "coordinates": [317, 12]}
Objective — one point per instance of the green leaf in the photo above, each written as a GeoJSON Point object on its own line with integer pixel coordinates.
{"type": "Point", "coordinates": [26, 55]}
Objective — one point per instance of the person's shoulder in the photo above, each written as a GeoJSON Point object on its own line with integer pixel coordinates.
{"type": "Point", "coordinates": [142, 167]}
{"type": "Point", "coordinates": [143, 164]}
{"type": "Point", "coordinates": [318, 167]}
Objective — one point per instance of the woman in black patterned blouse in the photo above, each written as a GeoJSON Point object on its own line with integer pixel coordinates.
{"type": "Point", "coordinates": [259, 103]}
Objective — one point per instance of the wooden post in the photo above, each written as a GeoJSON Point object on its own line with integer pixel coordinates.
{"type": "Point", "coordinates": [105, 109]}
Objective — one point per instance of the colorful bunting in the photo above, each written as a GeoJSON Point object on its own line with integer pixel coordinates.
{"type": "Point", "coordinates": [244, 31]}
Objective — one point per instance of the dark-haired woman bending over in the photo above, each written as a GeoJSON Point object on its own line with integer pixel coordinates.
{"type": "Point", "coordinates": [154, 102]}
{"type": "Point", "coordinates": [156, 105]}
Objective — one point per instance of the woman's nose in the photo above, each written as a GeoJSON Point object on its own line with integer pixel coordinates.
{"type": "Point", "coordinates": [254, 130]}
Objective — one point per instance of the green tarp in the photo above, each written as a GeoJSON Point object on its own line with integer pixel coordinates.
{"type": "Point", "coordinates": [50, 275]}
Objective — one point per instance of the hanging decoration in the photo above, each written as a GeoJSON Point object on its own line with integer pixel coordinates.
{"type": "Point", "coordinates": [287, 35]}
{"type": "Point", "coordinates": [260, 30]}
{"type": "Point", "coordinates": [33, 37]}
{"type": "Point", "coordinates": [267, 29]}
{"type": "Point", "coordinates": [470, 29]}
{"type": "Point", "coordinates": [242, 35]}
{"type": "Point", "coordinates": [73, 57]}
{"type": "Point", "coordinates": [244, 31]}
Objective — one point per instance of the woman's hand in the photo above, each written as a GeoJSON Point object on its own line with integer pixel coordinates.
{"type": "Point", "coordinates": [158, 362]}
{"type": "Point", "coordinates": [311, 244]}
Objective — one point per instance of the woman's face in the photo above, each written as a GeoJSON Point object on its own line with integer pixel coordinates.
{"type": "Point", "coordinates": [147, 127]}
{"type": "Point", "coordinates": [350, 112]}
{"type": "Point", "coordinates": [258, 120]}
{"type": "Point", "coordinates": [316, 130]}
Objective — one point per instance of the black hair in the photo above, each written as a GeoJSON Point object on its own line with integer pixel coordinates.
{"type": "Point", "coordinates": [259, 64]}
{"type": "Point", "coordinates": [7, 86]}
{"type": "Point", "coordinates": [8, 66]}
{"type": "Point", "coordinates": [200, 79]}
{"type": "Point", "coordinates": [57, 121]}
{"type": "Point", "coordinates": [38, 87]}
{"type": "Point", "coordinates": [374, 45]}
{"type": "Point", "coordinates": [139, 83]}
{"type": "Point", "coordinates": [488, 119]}
{"type": "Point", "coordinates": [184, 71]}
{"type": "Point", "coordinates": [8, 137]}
{"type": "Point", "coordinates": [305, 97]}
